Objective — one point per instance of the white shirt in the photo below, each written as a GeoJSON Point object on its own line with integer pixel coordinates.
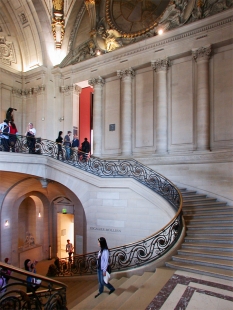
{"type": "Point", "coordinates": [2, 128]}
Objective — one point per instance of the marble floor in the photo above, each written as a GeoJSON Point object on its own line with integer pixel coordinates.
{"type": "Point", "coordinates": [190, 291]}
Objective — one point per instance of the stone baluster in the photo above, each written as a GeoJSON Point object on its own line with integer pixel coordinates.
{"type": "Point", "coordinates": [126, 110]}
{"type": "Point", "coordinates": [97, 84]}
{"type": "Point", "coordinates": [202, 56]}
{"type": "Point", "coordinates": [161, 66]}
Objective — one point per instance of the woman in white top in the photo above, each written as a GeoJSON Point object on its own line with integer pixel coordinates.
{"type": "Point", "coordinates": [102, 265]}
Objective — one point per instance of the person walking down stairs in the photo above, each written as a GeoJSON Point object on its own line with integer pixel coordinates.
{"type": "Point", "coordinates": [102, 265]}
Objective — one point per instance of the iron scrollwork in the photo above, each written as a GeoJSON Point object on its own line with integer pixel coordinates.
{"type": "Point", "coordinates": [131, 255]}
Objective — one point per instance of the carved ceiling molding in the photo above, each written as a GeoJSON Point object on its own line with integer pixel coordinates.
{"type": "Point", "coordinates": [76, 26]}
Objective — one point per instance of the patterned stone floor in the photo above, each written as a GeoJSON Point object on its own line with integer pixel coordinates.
{"type": "Point", "coordinates": [189, 291]}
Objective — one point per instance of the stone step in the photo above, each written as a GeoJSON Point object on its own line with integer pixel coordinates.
{"type": "Point", "coordinates": [210, 232]}
{"type": "Point", "coordinates": [203, 204]}
{"type": "Point", "coordinates": [207, 211]}
{"type": "Point", "coordinates": [193, 197]}
{"type": "Point", "coordinates": [123, 294]}
{"type": "Point", "coordinates": [223, 240]}
{"type": "Point", "coordinates": [104, 304]}
{"type": "Point", "coordinates": [209, 271]}
{"type": "Point", "coordinates": [147, 291]}
{"type": "Point", "coordinates": [207, 208]}
{"type": "Point", "coordinates": [207, 253]}
{"type": "Point", "coordinates": [207, 246]}
{"type": "Point", "coordinates": [205, 261]}
{"type": "Point", "coordinates": [202, 215]}
{"type": "Point", "coordinates": [207, 226]}
{"type": "Point", "coordinates": [208, 221]}
{"type": "Point", "coordinates": [184, 191]}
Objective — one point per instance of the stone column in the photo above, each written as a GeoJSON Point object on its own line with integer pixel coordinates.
{"type": "Point", "coordinates": [202, 56]}
{"type": "Point", "coordinates": [77, 91]}
{"type": "Point", "coordinates": [161, 66]}
{"type": "Point", "coordinates": [126, 111]}
{"type": "Point", "coordinates": [97, 84]}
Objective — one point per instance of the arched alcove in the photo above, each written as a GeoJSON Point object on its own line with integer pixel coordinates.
{"type": "Point", "coordinates": [31, 225]}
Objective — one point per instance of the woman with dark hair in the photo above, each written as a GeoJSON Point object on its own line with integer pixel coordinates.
{"type": "Point", "coordinates": [102, 265]}
{"type": "Point", "coordinates": [27, 265]}
{"type": "Point", "coordinates": [59, 142]}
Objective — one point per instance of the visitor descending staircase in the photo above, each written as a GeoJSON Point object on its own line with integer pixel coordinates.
{"type": "Point", "coordinates": [208, 245]}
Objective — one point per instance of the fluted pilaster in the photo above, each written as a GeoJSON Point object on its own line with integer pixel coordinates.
{"type": "Point", "coordinates": [97, 84]}
{"type": "Point", "coordinates": [126, 110]}
{"type": "Point", "coordinates": [202, 56]}
{"type": "Point", "coordinates": [161, 66]}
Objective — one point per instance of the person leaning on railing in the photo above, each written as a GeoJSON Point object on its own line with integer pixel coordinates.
{"type": "Point", "coordinates": [31, 141]}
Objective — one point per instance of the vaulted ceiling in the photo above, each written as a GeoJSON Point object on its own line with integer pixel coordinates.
{"type": "Point", "coordinates": [37, 33]}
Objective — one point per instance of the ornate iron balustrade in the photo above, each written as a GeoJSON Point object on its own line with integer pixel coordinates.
{"type": "Point", "coordinates": [135, 254]}
{"type": "Point", "coordinates": [49, 295]}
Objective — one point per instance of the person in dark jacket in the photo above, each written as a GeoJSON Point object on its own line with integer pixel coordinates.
{"type": "Point", "coordinates": [59, 142]}
{"type": "Point", "coordinates": [85, 148]}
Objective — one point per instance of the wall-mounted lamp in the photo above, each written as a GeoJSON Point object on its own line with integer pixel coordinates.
{"type": "Point", "coordinates": [39, 215]}
{"type": "Point", "coordinates": [43, 119]}
{"type": "Point", "coordinates": [160, 32]}
{"type": "Point", "coordinates": [61, 119]}
{"type": "Point", "coordinates": [6, 223]}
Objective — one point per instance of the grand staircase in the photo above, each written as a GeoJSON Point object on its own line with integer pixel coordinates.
{"type": "Point", "coordinates": [208, 245]}
{"type": "Point", "coordinates": [207, 249]}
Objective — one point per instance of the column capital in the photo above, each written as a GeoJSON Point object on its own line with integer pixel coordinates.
{"type": "Point", "coordinates": [202, 53]}
{"type": "Point", "coordinates": [161, 64]}
{"type": "Point", "coordinates": [96, 81]}
{"type": "Point", "coordinates": [67, 88]}
{"type": "Point", "coordinates": [124, 73]}
{"type": "Point", "coordinates": [77, 89]}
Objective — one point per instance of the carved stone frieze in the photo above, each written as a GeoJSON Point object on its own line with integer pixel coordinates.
{"type": "Point", "coordinates": [7, 52]}
{"type": "Point", "coordinates": [29, 91]}
{"type": "Point", "coordinates": [202, 53]}
{"type": "Point", "coordinates": [161, 64]}
{"type": "Point", "coordinates": [124, 73]}
{"type": "Point", "coordinates": [23, 18]}
{"type": "Point", "coordinates": [69, 88]}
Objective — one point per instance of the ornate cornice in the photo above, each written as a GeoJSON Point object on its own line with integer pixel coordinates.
{"type": "Point", "coordinates": [70, 88]}
{"type": "Point", "coordinates": [201, 53]}
{"type": "Point", "coordinates": [161, 64]}
{"type": "Point", "coordinates": [29, 91]}
{"type": "Point", "coordinates": [124, 73]}
{"type": "Point", "coordinates": [96, 81]}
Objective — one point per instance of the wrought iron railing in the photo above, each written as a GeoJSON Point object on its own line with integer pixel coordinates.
{"type": "Point", "coordinates": [14, 287]}
{"type": "Point", "coordinates": [131, 255]}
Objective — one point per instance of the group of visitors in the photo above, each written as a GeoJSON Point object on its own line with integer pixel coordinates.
{"type": "Point", "coordinates": [71, 146]}
{"type": "Point", "coordinates": [8, 131]}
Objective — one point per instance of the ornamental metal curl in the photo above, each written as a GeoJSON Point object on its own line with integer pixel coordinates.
{"type": "Point", "coordinates": [127, 256]}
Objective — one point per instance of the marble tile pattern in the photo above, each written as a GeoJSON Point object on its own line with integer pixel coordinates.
{"type": "Point", "coordinates": [194, 292]}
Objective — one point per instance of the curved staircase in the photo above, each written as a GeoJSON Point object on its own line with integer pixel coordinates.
{"type": "Point", "coordinates": [208, 245]}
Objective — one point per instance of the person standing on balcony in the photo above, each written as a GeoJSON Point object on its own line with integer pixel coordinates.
{"type": "Point", "coordinates": [85, 148]}
{"type": "Point", "coordinates": [69, 249]}
{"type": "Point", "coordinates": [102, 265]}
{"type": "Point", "coordinates": [4, 131]}
{"type": "Point", "coordinates": [75, 145]}
{"type": "Point", "coordinates": [13, 135]}
{"type": "Point", "coordinates": [59, 142]}
{"type": "Point", "coordinates": [31, 140]}
{"type": "Point", "coordinates": [67, 144]}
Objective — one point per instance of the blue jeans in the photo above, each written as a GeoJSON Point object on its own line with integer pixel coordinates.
{"type": "Point", "coordinates": [102, 283]}
{"type": "Point", "coordinates": [67, 152]}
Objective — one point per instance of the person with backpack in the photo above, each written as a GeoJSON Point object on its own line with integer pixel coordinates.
{"type": "Point", "coordinates": [102, 266]}
{"type": "Point", "coordinates": [4, 132]}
